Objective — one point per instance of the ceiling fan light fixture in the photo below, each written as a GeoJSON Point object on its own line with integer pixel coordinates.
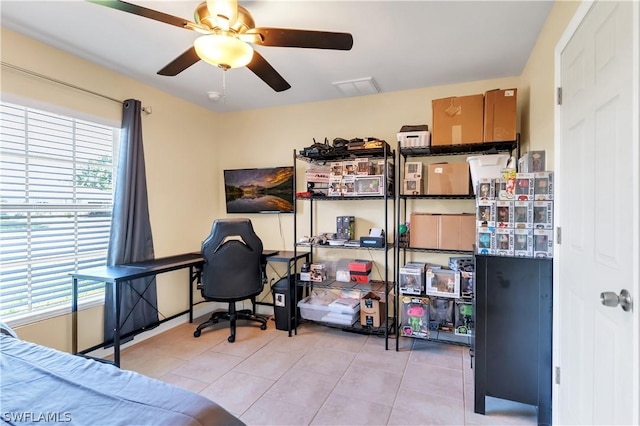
{"type": "Point", "coordinates": [223, 51]}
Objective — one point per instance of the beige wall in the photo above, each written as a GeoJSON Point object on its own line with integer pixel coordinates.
{"type": "Point", "coordinates": [538, 83]}
{"type": "Point", "coordinates": [184, 168]}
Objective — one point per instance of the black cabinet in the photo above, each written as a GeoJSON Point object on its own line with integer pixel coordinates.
{"type": "Point", "coordinates": [513, 332]}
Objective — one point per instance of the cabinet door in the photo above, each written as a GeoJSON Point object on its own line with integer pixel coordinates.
{"type": "Point", "coordinates": [513, 302]}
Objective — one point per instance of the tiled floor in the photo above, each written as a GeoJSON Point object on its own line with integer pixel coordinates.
{"type": "Point", "coordinates": [322, 376]}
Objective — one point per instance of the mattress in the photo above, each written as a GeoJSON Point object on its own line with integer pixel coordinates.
{"type": "Point", "coordinates": [41, 385]}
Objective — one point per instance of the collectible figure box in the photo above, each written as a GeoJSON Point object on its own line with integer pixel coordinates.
{"type": "Point", "coordinates": [345, 227]}
{"type": "Point", "coordinates": [349, 167]}
{"type": "Point", "coordinates": [532, 162]}
{"type": "Point", "coordinates": [506, 185]}
{"type": "Point", "coordinates": [543, 214]}
{"type": "Point", "coordinates": [448, 179]}
{"type": "Point", "coordinates": [363, 167]}
{"type": "Point", "coordinates": [466, 284]}
{"type": "Point", "coordinates": [349, 185]}
{"type": "Point", "coordinates": [543, 243]}
{"type": "Point", "coordinates": [500, 115]}
{"type": "Point", "coordinates": [523, 214]}
{"type": "Point", "coordinates": [443, 283]}
{"type": "Point", "coordinates": [504, 214]}
{"type": "Point", "coordinates": [458, 120]}
{"type": "Point", "coordinates": [413, 170]}
{"type": "Point", "coordinates": [318, 272]}
{"type": "Point", "coordinates": [504, 241]}
{"type": "Point", "coordinates": [464, 319]}
{"type": "Point", "coordinates": [369, 185]}
{"type": "Point", "coordinates": [378, 168]}
{"type": "Point", "coordinates": [462, 263]}
{"type": "Point", "coordinates": [543, 186]}
{"type": "Point", "coordinates": [412, 280]}
{"type": "Point", "coordinates": [486, 213]}
{"type": "Point", "coordinates": [441, 315]}
{"type": "Point", "coordinates": [371, 310]}
{"type": "Point", "coordinates": [335, 186]}
{"type": "Point", "coordinates": [415, 317]}
{"type": "Point", "coordinates": [523, 242]}
{"type": "Point", "coordinates": [485, 189]}
{"type": "Point", "coordinates": [413, 187]}
{"type": "Point", "coordinates": [524, 186]}
{"type": "Point", "coordinates": [335, 168]}
{"type": "Point", "coordinates": [485, 241]}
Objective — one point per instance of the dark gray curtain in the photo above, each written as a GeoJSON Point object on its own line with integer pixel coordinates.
{"type": "Point", "coordinates": [131, 239]}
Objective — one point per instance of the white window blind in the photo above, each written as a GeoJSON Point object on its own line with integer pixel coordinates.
{"type": "Point", "coordinates": [56, 197]}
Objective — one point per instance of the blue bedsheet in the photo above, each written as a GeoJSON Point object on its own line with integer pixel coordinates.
{"type": "Point", "coordinates": [40, 383]}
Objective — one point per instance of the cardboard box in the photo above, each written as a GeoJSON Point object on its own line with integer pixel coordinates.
{"type": "Point", "coordinates": [448, 179]}
{"type": "Point", "coordinates": [360, 265]}
{"type": "Point", "coordinates": [458, 120]}
{"type": "Point", "coordinates": [457, 232]}
{"type": "Point", "coordinates": [500, 110]}
{"type": "Point", "coordinates": [442, 231]}
{"type": "Point", "coordinates": [371, 310]}
{"type": "Point", "coordinates": [423, 231]}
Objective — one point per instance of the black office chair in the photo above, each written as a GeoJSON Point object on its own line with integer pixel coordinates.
{"type": "Point", "coordinates": [232, 272]}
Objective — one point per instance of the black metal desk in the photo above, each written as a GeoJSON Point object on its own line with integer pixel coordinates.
{"type": "Point", "coordinates": [122, 273]}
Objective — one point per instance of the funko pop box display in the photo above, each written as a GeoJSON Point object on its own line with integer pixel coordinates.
{"type": "Point", "coordinates": [543, 214]}
{"type": "Point", "coordinates": [415, 316]}
{"type": "Point", "coordinates": [524, 186]}
{"type": "Point", "coordinates": [485, 240]}
{"type": "Point", "coordinates": [443, 283]}
{"type": "Point", "coordinates": [486, 213]}
{"type": "Point", "coordinates": [504, 241]}
{"type": "Point", "coordinates": [543, 243]}
{"type": "Point", "coordinates": [523, 242]}
{"type": "Point", "coordinates": [412, 279]}
{"type": "Point", "coordinates": [523, 214]}
{"type": "Point", "coordinates": [441, 315]}
{"type": "Point", "coordinates": [504, 214]}
{"type": "Point", "coordinates": [543, 186]}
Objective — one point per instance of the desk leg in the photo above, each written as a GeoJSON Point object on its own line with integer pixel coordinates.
{"type": "Point", "coordinates": [191, 276]}
{"type": "Point", "coordinates": [116, 329]}
{"type": "Point", "coordinates": [74, 316]}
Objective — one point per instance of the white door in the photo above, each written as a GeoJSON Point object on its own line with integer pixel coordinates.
{"type": "Point", "coordinates": [597, 207]}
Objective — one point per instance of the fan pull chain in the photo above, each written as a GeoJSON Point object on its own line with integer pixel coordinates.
{"type": "Point", "coordinates": [224, 86]}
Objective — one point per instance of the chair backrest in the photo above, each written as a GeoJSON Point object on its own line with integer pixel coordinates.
{"type": "Point", "coordinates": [232, 261]}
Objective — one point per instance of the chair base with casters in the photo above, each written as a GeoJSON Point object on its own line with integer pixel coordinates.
{"type": "Point", "coordinates": [232, 315]}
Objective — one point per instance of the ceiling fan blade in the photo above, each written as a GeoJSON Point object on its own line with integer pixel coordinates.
{"type": "Point", "coordinates": [285, 37]}
{"type": "Point", "coordinates": [146, 13]}
{"type": "Point", "coordinates": [267, 73]}
{"type": "Point", "coordinates": [181, 63]}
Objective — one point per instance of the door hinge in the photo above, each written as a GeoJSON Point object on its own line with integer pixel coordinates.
{"type": "Point", "coordinates": [559, 95]}
{"type": "Point", "coordinates": [557, 375]}
{"type": "Point", "coordinates": [558, 235]}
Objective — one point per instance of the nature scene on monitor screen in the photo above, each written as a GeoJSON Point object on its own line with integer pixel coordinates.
{"type": "Point", "coordinates": [259, 190]}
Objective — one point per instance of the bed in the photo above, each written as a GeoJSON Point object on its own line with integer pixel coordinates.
{"type": "Point", "coordinates": [41, 385]}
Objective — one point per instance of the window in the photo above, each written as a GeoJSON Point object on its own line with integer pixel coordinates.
{"type": "Point", "coordinates": [56, 197]}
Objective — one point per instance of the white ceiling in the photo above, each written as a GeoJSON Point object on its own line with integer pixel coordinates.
{"type": "Point", "coordinates": [401, 44]}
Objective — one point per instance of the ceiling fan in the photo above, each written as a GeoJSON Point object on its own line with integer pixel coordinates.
{"type": "Point", "coordinates": [227, 30]}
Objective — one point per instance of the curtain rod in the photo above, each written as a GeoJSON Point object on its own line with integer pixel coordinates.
{"type": "Point", "coordinates": [64, 83]}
